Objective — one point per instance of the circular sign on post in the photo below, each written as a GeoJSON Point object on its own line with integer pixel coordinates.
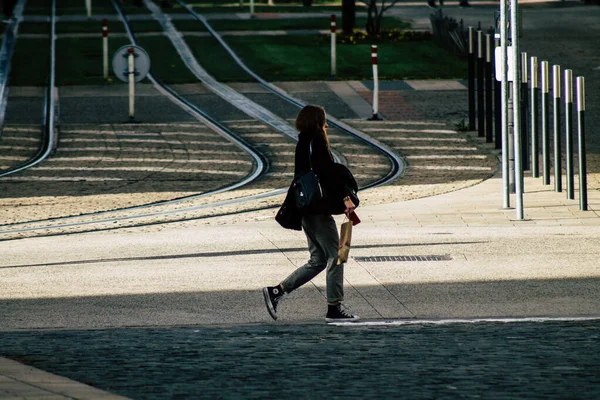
{"type": "Point", "coordinates": [141, 63]}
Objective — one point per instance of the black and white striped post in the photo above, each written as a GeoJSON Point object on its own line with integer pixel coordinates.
{"type": "Point", "coordinates": [131, 75]}
{"type": "Point", "coordinates": [105, 48]}
{"type": "Point", "coordinates": [534, 119]}
{"type": "Point", "coordinates": [375, 116]}
{"type": "Point", "coordinates": [480, 86]}
{"type": "Point", "coordinates": [333, 60]}
{"type": "Point", "coordinates": [569, 133]}
{"type": "Point", "coordinates": [471, 79]}
{"type": "Point", "coordinates": [489, 113]}
{"type": "Point", "coordinates": [497, 107]}
{"type": "Point", "coordinates": [524, 111]}
{"type": "Point", "coordinates": [557, 142]}
{"type": "Point", "coordinates": [583, 200]}
{"type": "Point", "coordinates": [545, 123]}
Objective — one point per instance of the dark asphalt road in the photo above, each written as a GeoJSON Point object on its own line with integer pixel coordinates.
{"type": "Point", "coordinates": [549, 360]}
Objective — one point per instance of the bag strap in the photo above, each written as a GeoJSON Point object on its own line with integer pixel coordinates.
{"type": "Point", "coordinates": [310, 154]}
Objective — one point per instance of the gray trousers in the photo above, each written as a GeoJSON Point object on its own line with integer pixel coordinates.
{"type": "Point", "coordinates": [323, 242]}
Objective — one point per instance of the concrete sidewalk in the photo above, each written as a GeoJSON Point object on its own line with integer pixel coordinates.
{"type": "Point", "coordinates": [491, 266]}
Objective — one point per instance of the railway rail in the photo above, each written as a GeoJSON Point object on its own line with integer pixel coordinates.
{"type": "Point", "coordinates": [264, 183]}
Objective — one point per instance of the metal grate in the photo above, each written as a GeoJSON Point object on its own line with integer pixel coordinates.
{"type": "Point", "coordinates": [403, 258]}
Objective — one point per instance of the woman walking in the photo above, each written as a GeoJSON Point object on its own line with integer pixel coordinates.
{"type": "Point", "coordinates": [318, 224]}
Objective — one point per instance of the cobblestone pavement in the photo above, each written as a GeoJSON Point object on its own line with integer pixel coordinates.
{"type": "Point", "coordinates": [551, 360]}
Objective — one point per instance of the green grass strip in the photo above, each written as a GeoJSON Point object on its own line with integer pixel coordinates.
{"type": "Point", "coordinates": [307, 58]}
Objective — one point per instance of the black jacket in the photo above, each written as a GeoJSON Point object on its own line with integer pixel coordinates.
{"type": "Point", "coordinates": [336, 180]}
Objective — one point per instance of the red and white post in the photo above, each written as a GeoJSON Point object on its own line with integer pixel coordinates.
{"type": "Point", "coordinates": [375, 84]}
{"type": "Point", "coordinates": [105, 48]}
{"type": "Point", "coordinates": [131, 71]}
{"type": "Point", "coordinates": [333, 60]}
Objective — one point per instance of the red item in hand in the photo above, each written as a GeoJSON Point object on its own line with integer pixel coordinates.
{"type": "Point", "coordinates": [354, 218]}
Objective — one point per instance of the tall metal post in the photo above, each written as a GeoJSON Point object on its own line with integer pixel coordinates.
{"type": "Point", "coordinates": [524, 111]}
{"type": "Point", "coordinates": [471, 80]}
{"type": "Point", "coordinates": [514, 30]}
{"type": "Point", "coordinates": [545, 124]}
{"type": "Point", "coordinates": [131, 77]}
{"type": "Point", "coordinates": [504, 88]}
{"type": "Point", "coordinates": [480, 86]}
{"type": "Point", "coordinates": [534, 119]}
{"type": "Point", "coordinates": [497, 107]}
{"type": "Point", "coordinates": [569, 133]}
{"type": "Point", "coordinates": [489, 128]}
{"type": "Point", "coordinates": [557, 141]}
{"type": "Point", "coordinates": [333, 40]}
{"type": "Point", "coordinates": [583, 200]}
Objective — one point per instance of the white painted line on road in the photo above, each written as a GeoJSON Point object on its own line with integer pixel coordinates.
{"type": "Point", "coordinates": [119, 133]}
{"type": "Point", "coordinates": [437, 148]}
{"type": "Point", "coordinates": [21, 139]}
{"type": "Point", "coordinates": [12, 129]}
{"type": "Point", "coordinates": [141, 160]}
{"type": "Point", "coordinates": [433, 139]}
{"type": "Point", "coordinates": [399, 123]}
{"type": "Point", "coordinates": [451, 168]}
{"type": "Point", "coordinates": [60, 179]}
{"type": "Point", "coordinates": [17, 148]}
{"type": "Point", "coordinates": [465, 321]}
{"type": "Point", "coordinates": [143, 141]}
{"type": "Point", "coordinates": [141, 150]}
{"type": "Point", "coordinates": [450, 157]}
{"type": "Point", "coordinates": [145, 169]}
{"type": "Point", "coordinates": [417, 131]}
{"type": "Point", "coordinates": [12, 158]}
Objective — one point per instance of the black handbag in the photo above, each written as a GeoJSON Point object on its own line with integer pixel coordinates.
{"type": "Point", "coordinates": [288, 216]}
{"type": "Point", "coordinates": [308, 193]}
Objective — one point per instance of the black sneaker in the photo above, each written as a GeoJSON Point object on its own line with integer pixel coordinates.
{"type": "Point", "coordinates": [273, 295]}
{"type": "Point", "coordinates": [337, 314]}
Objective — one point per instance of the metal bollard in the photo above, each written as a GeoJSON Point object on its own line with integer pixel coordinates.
{"type": "Point", "coordinates": [569, 133]}
{"type": "Point", "coordinates": [583, 200]}
{"type": "Point", "coordinates": [105, 48]}
{"type": "Point", "coordinates": [489, 133]}
{"type": "Point", "coordinates": [557, 142]}
{"type": "Point", "coordinates": [471, 80]}
{"type": "Point", "coordinates": [480, 86]}
{"type": "Point", "coordinates": [524, 112]}
{"type": "Point", "coordinates": [131, 75]}
{"type": "Point", "coordinates": [545, 124]}
{"type": "Point", "coordinates": [375, 116]}
{"type": "Point", "coordinates": [333, 53]}
{"type": "Point", "coordinates": [534, 118]}
{"type": "Point", "coordinates": [498, 108]}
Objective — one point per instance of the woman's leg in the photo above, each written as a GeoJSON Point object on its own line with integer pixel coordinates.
{"type": "Point", "coordinates": [323, 241]}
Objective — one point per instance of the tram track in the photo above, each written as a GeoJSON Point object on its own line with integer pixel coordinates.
{"type": "Point", "coordinates": [187, 208]}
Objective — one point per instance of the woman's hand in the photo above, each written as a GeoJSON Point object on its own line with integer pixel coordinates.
{"type": "Point", "coordinates": [350, 207]}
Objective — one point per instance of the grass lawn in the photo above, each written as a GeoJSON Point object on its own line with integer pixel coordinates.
{"type": "Point", "coordinates": [276, 58]}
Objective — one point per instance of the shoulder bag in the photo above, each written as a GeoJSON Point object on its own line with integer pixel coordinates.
{"type": "Point", "coordinates": [307, 190]}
